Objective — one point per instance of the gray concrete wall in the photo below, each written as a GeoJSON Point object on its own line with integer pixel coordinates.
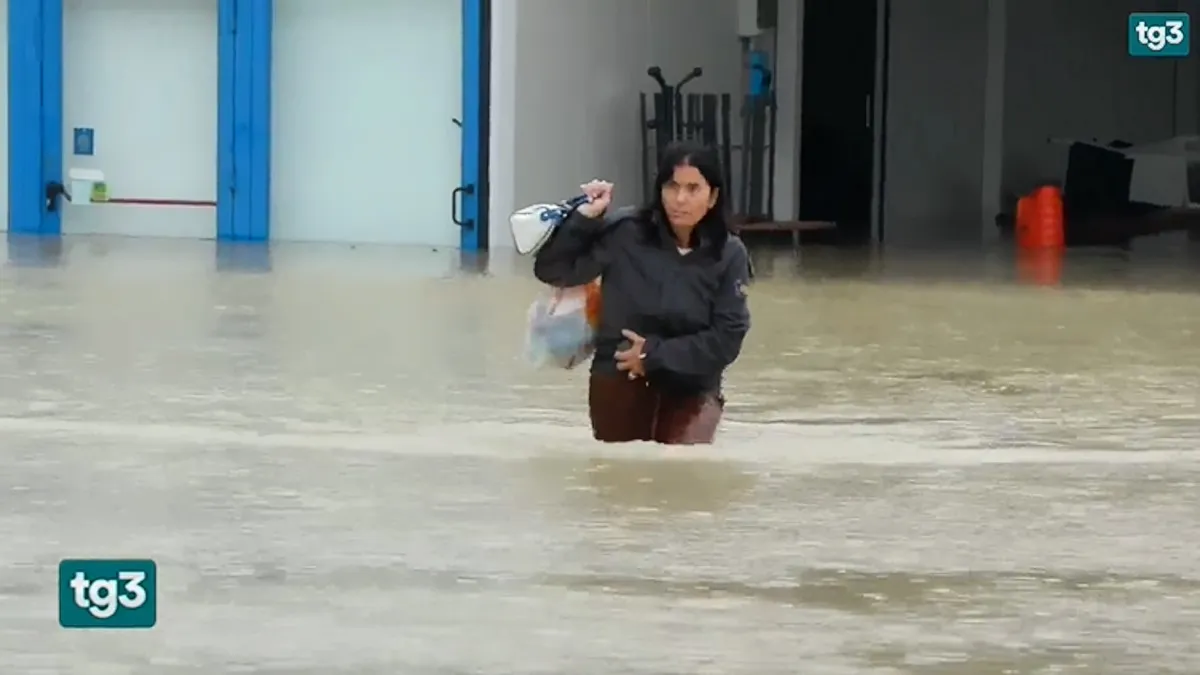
{"type": "Point", "coordinates": [566, 79]}
{"type": "Point", "coordinates": [1069, 73]}
{"type": "Point", "coordinates": [935, 114]}
{"type": "Point", "coordinates": [976, 87]}
{"type": "Point", "coordinates": [957, 153]}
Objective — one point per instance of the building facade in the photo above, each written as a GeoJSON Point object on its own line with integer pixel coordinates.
{"type": "Point", "coordinates": [252, 120]}
{"type": "Point", "coordinates": [426, 123]}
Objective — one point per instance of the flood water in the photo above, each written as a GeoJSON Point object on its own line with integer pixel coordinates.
{"type": "Point", "coordinates": [342, 467]}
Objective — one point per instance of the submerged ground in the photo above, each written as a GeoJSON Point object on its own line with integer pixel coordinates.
{"type": "Point", "coordinates": [342, 466]}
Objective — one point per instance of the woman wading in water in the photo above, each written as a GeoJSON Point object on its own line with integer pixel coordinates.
{"type": "Point", "coordinates": [673, 300]}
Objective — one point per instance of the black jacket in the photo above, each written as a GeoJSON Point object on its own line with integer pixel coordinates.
{"type": "Point", "coordinates": [691, 308]}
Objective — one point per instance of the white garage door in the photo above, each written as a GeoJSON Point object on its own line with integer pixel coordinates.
{"type": "Point", "coordinates": [364, 144]}
{"type": "Point", "coordinates": [142, 75]}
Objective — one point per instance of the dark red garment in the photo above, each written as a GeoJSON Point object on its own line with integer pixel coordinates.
{"type": "Point", "coordinates": [624, 410]}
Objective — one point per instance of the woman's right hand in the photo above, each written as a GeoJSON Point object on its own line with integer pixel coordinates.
{"type": "Point", "coordinates": [600, 193]}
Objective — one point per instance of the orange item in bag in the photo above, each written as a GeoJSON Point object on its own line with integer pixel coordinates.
{"type": "Point", "coordinates": [592, 309]}
{"type": "Point", "coordinates": [562, 326]}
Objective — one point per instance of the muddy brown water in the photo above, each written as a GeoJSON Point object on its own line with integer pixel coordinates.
{"type": "Point", "coordinates": [342, 466]}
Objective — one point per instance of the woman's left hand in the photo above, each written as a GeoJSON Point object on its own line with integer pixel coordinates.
{"type": "Point", "coordinates": [630, 360]}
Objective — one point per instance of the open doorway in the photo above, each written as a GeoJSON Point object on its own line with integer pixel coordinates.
{"type": "Point", "coordinates": [844, 44]}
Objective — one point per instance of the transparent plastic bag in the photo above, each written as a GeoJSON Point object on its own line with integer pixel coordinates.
{"type": "Point", "coordinates": [562, 326]}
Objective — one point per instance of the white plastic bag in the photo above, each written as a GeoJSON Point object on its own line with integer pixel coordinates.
{"type": "Point", "coordinates": [561, 327]}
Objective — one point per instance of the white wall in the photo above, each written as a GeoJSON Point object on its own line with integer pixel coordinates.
{"type": "Point", "coordinates": [364, 145]}
{"type": "Point", "coordinates": [143, 74]}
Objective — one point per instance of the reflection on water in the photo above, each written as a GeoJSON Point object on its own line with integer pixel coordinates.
{"type": "Point", "coordinates": [638, 485]}
{"type": "Point", "coordinates": [932, 464]}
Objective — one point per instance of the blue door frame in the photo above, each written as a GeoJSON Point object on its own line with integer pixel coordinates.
{"type": "Point", "coordinates": [244, 37]}
{"type": "Point", "coordinates": [476, 77]}
{"type": "Point", "coordinates": [35, 120]}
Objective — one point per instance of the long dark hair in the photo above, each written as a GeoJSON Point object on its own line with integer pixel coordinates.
{"type": "Point", "coordinates": [713, 228]}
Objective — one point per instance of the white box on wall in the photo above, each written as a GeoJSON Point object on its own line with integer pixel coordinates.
{"type": "Point", "coordinates": [747, 18]}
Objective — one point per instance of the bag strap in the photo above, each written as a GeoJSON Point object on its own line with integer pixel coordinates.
{"type": "Point", "coordinates": [555, 298]}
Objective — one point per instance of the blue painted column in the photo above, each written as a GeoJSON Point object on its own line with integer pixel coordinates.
{"type": "Point", "coordinates": [244, 120]}
{"type": "Point", "coordinates": [52, 111]}
{"type": "Point", "coordinates": [35, 116]}
{"type": "Point", "coordinates": [476, 45]}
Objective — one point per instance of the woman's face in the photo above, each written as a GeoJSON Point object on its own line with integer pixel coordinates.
{"type": "Point", "coordinates": [687, 197]}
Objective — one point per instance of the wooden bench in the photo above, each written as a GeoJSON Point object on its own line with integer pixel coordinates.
{"type": "Point", "coordinates": [795, 227]}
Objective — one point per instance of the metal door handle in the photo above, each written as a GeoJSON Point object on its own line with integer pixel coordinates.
{"type": "Point", "coordinates": [454, 198]}
{"type": "Point", "coordinates": [870, 112]}
{"type": "Point", "coordinates": [54, 190]}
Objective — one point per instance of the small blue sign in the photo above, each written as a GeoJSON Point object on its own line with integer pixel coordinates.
{"type": "Point", "coordinates": [1162, 35]}
{"type": "Point", "coordinates": [85, 141]}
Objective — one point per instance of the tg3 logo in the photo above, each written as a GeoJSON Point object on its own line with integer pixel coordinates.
{"type": "Point", "coordinates": [1160, 35]}
{"type": "Point", "coordinates": [107, 594]}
